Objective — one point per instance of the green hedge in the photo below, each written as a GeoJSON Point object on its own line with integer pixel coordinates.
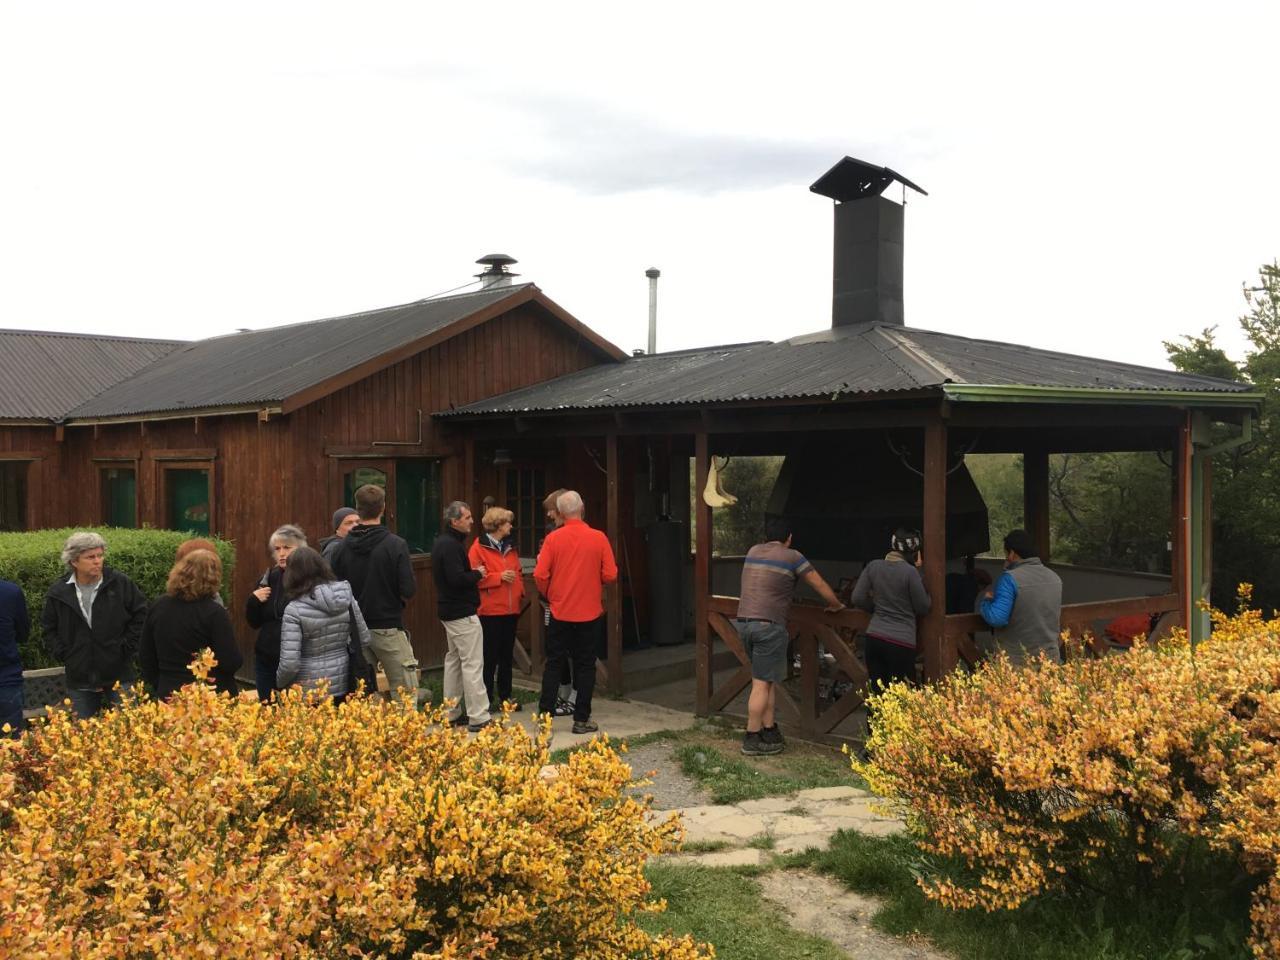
{"type": "Point", "coordinates": [32, 561]}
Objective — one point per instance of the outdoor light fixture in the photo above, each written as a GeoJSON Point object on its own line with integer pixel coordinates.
{"type": "Point", "coordinates": [502, 457]}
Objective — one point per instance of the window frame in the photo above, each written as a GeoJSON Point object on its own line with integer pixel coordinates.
{"type": "Point", "coordinates": [164, 466]}
{"type": "Point", "coordinates": [119, 463]}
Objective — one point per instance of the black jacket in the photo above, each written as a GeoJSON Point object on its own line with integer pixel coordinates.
{"type": "Point", "coordinates": [457, 593]}
{"type": "Point", "coordinates": [376, 564]}
{"type": "Point", "coordinates": [266, 616]}
{"type": "Point", "coordinates": [95, 658]}
{"type": "Point", "coordinates": [174, 632]}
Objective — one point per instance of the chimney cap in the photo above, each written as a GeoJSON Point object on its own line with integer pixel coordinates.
{"type": "Point", "coordinates": [496, 260]}
{"type": "Point", "coordinates": [852, 179]}
{"type": "Point", "coordinates": [653, 273]}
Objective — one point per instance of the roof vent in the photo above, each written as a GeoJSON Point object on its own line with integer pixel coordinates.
{"type": "Point", "coordinates": [867, 274]}
{"type": "Point", "coordinates": [495, 273]}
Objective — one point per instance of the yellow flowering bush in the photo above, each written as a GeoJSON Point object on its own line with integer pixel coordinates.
{"type": "Point", "coordinates": [1095, 774]}
{"type": "Point", "coordinates": [210, 827]}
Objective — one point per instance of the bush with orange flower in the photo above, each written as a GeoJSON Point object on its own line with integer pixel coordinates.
{"type": "Point", "coordinates": [1094, 775]}
{"type": "Point", "coordinates": [207, 826]}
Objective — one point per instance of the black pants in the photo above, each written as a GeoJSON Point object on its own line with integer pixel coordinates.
{"type": "Point", "coordinates": [888, 663]}
{"type": "Point", "coordinates": [499, 642]}
{"type": "Point", "coordinates": [576, 642]}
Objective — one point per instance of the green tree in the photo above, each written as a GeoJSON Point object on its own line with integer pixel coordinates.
{"type": "Point", "coordinates": [1246, 479]}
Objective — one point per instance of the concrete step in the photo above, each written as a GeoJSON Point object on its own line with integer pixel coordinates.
{"type": "Point", "coordinates": [655, 666]}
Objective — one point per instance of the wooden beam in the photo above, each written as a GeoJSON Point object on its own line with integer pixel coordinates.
{"type": "Point", "coordinates": [1035, 498]}
{"type": "Point", "coordinates": [1181, 560]}
{"type": "Point", "coordinates": [702, 577]}
{"type": "Point", "coordinates": [939, 653]}
{"type": "Point", "coordinates": [613, 620]}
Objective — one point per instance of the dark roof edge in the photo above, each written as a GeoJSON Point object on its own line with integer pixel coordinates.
{"type": "Point", "coordinates": [93, 336]}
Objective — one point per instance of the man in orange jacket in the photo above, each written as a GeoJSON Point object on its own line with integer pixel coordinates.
{"type": "Point", "coordinates": [573, 567]}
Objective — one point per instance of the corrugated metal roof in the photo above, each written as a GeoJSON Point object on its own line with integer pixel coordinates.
{"type": "Point", "coordinates": [868, 358]}
{"type": "Point", "coordinates": [268, 366]}
{"type": "Point", "coordinates": [43, 375]}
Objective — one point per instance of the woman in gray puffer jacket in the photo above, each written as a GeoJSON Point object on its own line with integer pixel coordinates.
{"type": "Point", "coordinates": [317, 625]}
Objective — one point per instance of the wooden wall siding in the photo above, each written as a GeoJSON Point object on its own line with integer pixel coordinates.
{"type": "Point", "coordinates": [274, 472]}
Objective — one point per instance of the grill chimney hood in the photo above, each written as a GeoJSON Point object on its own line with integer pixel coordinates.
{"type": "Point", "coordinates": [845, 499]}
{"type": "Point", "coordinates": [867, 271]}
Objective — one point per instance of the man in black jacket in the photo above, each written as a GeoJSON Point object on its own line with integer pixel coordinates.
{"type": "Point", "coordinates": [458, 599]}
{"type": "Point", "coordinates": [376, 564]}
{"type": "Point", "coordinates": [92, 622]}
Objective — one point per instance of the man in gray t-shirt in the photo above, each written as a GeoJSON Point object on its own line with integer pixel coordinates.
{"type": "Point", "coordinates": [769, 576]}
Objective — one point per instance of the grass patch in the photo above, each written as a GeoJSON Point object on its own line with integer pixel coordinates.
{"type": "Point", "coordinates": [704, 846]}
{"type": "Point", "coordinates": [724, 907]}
{"type": "Point", "coordinates": [732, 780]}
{"type": "Point", "coordinates": [762, 841]}
{"type": "Point", "coordinates": [1205, 917]}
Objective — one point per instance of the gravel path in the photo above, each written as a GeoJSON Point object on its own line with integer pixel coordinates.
{"type": "Point", "coordinates": [670, 787]}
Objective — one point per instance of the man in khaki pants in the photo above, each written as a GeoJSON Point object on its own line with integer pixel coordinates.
{"type": "Point", "coordinates": [458, 599]}
{"type": "Point", "coordinates": [376, 563]}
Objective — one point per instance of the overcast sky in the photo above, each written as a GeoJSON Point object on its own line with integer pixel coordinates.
{"type": "Point", "coordinates": [1101, 177]}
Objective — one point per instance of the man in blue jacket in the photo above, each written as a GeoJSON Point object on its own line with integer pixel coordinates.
{"type": "Point", "coordinates": [1025, 607]}
{"type": "Point", "coordinates": [14, 628]}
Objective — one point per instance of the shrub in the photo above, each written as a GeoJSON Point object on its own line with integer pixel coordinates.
{"type": "Point", "coordinates": [208, 826]}
{"type": "Point", "coordinates": [1096, 775]}
{"type": "Point", "coordinates": [145, 556]}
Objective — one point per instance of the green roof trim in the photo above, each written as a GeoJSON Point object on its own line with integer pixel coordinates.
{"type": "Point", "coordinates": [1019, 393]}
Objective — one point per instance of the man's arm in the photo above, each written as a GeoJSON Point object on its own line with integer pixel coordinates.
{"type": "Point", "coordinates": [997, 606]}
{"type": "Point", "coordinates": [608, 565]}
{"type": "Point", "coordinates": [814, 579]}
{"type": "Point", "coordinates": [457, 571]}
{"type": "Point", "coordinates": [135, 605]}
{"type": "Point", "coordinates": [404, 572]}
{"type": "Point", "coordinates": [49, 629]}
{"type": "Point", "coordinates": [545, 565]}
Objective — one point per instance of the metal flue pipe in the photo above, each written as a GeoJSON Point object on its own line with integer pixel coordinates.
{"type": "Point", "coordinates": [653, 273]}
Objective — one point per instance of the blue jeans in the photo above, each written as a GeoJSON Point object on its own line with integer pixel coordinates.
{"type": "Point", "coordinates": [89, 703]}
{"type": "Point", "coordinates": [11, 709]}
{"type": "Point", "coordinates": [264, 675]}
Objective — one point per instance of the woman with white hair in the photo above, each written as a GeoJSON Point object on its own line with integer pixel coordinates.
{"type": "Point", "coordinates": [92, 622]}
{"type": "Point", "coordinates": [264, 608]}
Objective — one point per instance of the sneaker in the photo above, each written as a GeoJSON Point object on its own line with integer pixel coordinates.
{"type": "Point", "coordinates": [772, 735]}
{"type": "Point", "coordinates": [585, 726]}
{"type": "Point", "coordinates": [459, 721]}
{"type": "Point", "coordinates": [563, 708]}
{"type": "Point", "coordinates": [477, 727]}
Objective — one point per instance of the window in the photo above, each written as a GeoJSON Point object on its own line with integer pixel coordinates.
{"type": "Point", "coordinates": [418, 503]}
{"type": "Point", "coordinates": [526, 488]}
{"type": "Point", "coordinates": [412, 485]}
{"type": "Point", "coordinates": [13, 495]}
{"type": "Point", "coordinates": [119, 496]}
{"type": "Point", "coordinates": [187, 499]}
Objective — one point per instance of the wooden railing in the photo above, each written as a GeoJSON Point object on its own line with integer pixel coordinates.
{"type": "Point", "coordinates": [810, 626]}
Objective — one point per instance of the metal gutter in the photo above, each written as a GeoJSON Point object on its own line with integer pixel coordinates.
{"type": "Point", "coordinates": [272, 409]}
{"type": "Point", "coordinates": [1017, 393]}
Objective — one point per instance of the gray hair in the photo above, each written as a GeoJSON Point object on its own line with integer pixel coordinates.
{"type": "Point", "coordinates": [569, 504]}
{"type": "Point", "coordinates": [454, 510]}
{"type": "Point", "coordinates": [81, 542]}
{"type": "Point", "coordinates": [289, 535]}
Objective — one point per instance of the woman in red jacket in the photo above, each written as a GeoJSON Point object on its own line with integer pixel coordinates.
{"type": "Point", "coordinates": [501, 591]}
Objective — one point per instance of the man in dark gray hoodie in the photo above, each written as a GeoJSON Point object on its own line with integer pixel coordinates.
{"type": "Point", "coordinates": [376, 564]}
{"type": "Point", "coordinates": [1025, 606]}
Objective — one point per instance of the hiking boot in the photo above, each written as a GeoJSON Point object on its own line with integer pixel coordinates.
{"type": "Point", "coordinates": [585, 726]}
{"type": "Point", "coordinates": [771, 736]}
{"type": "Point", "coordinates": [754, 745]}
{"type": "Point", "coordinates": [459, 721]}
{"type": "Point", "coordinates": [477, 727]}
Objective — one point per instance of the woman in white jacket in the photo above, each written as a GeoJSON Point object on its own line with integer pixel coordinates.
{"type": "Point", "coordinates": [320, 620]}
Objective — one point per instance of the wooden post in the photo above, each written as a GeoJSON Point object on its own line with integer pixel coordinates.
{"type": "Point", "coordinates": [1035, 498]}
{"type": "Point", "coordinates": [613, 619]}
{"type": "Point", "coordinates": [939, 655]}
{"type": "Point", "coordinates": [702, 576]}
{"type": "Point", "coordinates": [1181, 562]}
{"type": "Point", "coordinates": [468, 477]}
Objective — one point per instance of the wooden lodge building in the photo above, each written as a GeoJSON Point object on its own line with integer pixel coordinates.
{"type": "Point", "coordinates": [501, 392]}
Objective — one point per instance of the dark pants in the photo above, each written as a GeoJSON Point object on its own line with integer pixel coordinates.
{"type": "Point", "coordinates": [90, 703]}
{"type": "Point", "coordinates": [11, 709]}
{"type": "Point", "coordinates": [265, 669]}
{"type": "Point", "coordinates": [499, 642]}
{"type": "Point", "coordinates": [888, 663]}
{"type": "Point", "coordinates": [576, 642]}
